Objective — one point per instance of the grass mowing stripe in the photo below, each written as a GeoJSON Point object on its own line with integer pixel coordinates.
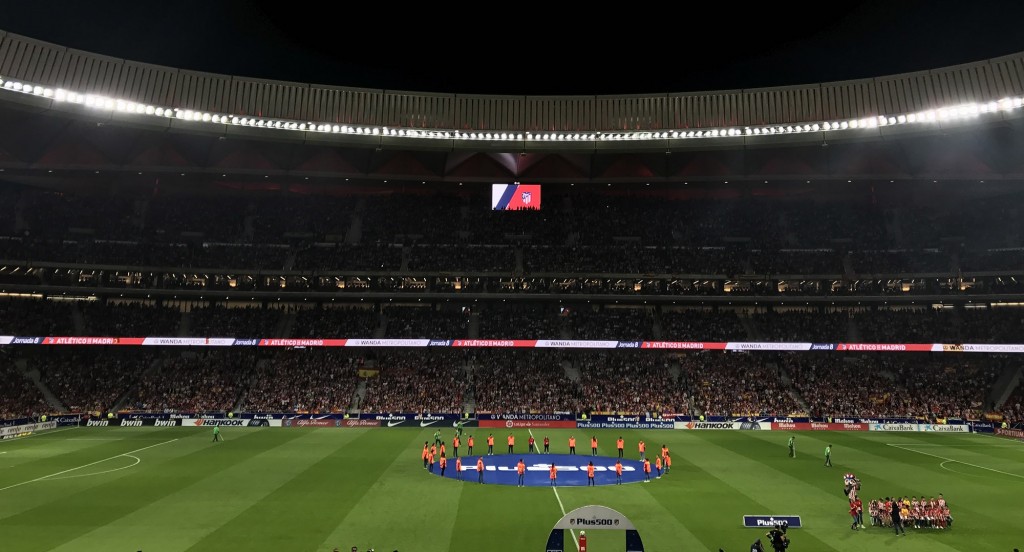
{"type": "Point", "coordinates": [406, 496]}
{"type": "Point", "coordinates": [81, 505]}
{"type": "Point", "coordinates": [224, 496]}
{"type": "Point", "coordinates": [301, 514]}
{"type": "Point", "coordinates": [84, 465]}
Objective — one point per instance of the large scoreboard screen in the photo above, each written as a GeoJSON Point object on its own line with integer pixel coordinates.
{"type": "Point", "coordinates": [515, 196]}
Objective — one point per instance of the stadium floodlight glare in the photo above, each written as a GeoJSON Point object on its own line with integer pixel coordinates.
{"type": "Point", "coordinates": [940, 113]}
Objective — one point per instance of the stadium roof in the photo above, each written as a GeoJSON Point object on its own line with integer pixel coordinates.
{"type": "Point", "coordinates": [525, 51]}
{"type": "Point", "coordinates": [66, 109]}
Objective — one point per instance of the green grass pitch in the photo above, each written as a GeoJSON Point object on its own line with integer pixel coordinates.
{"type": "Point", "coordinates": [283, 489]}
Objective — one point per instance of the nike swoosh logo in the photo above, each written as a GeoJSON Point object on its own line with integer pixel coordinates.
{"type": "Point", "coordinates": [393, 424]}
{"type": "Point", "coordinates": [425, 424]}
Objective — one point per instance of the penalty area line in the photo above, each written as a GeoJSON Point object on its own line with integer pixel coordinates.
{"type": "Point", "coordinates": [558, 498]}
{"type": "Point", "coordinates": [957, 461]}
{"type": "Point", "coordinates": [129, 453]}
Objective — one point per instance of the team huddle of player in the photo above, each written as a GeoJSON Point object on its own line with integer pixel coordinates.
{"type": "Point", "coordinates": [920, 513]}
{"type": "Point", "coordinates": [896, 512]}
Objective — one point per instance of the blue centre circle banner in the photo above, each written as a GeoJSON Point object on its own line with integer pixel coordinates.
{"type": "Point", "coordinates": [500, 469]}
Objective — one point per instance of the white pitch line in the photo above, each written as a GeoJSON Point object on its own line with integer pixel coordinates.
{"type": "Point", "coordinates": [1012, 445]}
{"type": "Point", "coordinates": [560, 505]}
{"type": "Point", "coordinates": [137, 462]}
{"type": "Point", "coordinates": [129, 453]}
{"type": "Point", "coordinates": [953, 460]}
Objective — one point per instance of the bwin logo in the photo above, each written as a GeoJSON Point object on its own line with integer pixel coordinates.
{"type": "Point", "coordinates": [131, 423]}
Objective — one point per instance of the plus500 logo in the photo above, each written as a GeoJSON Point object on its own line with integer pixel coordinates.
{"type": "Point", "coordinates": [596, 522]}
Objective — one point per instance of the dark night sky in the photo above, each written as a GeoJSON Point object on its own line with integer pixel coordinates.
{"type": "Point", "coordinates": [520, 49]}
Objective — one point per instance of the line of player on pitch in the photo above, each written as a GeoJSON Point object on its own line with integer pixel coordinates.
{"type": "Point", "coordinates": [438, 453]}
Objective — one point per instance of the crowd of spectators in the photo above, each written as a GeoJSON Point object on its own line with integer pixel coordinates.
{"type": "Point", "coordinates": [468, 258]}
{"type": "Point", "coordinates": [801, 326]}
{"type": "Point", "coordinates": [950, 386]}
{"type": "Point", "coordinates": [424, 218]}
{"type": "Point", "coordinates": [336, 322]}
{"type": "Point", "coordinates": [796, 261]}
{"type": "Point", "coordinates": [737, 384]}
{"type": "Point", "coordinates": [193, 381]}
{"type": "Point", "coordinates": [617, 383]}
{"type": "Point", "coordinates": [88, 380]}
{"type": "Point", "coordinates": [523, 381]}
{"type": "Point", "coordinates": [992, 325]}
{"type": "Point", "coordinates": [19, 397]}
{"type": "Point", "coordinates": [309, 381]}
{"type": "Point", "coordinates": [922, 325]}
{"type": "Point", "coordinates": [522, 321]}
{"type": "Point", "coordinates": [993, 260]}
{"type": "Point", "coordinates": [253, 321]}
{"type": "Point", "coordinates": [413, 381]}
{"type": "Point", "coordinates": [426, 322]}
{"type": "Point", "coordinates": [1013, 408]}
{"type": "Point", "coordinates": [130, 319]}
{"type": "Point", "coordinates": [305, 216]}
{"type": "Point", "coordinates": [702, 325]}
{"type": "Point", "coordinates": [368, 257]}
{"type": "Point", "coordinates": [36, 317]}
{"type": "Point", "coordinates": [850, 387]}
{"type": "Point", "coordinates": [900, 262]}
{"type": "Point", "coordinates": [612, 323]}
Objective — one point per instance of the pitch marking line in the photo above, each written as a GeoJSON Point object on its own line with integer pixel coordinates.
{"type": "Point", "coordinates": [560, 505]}
{"type": "Point", "coordinates": [129, 453]}
{"type": "Point", "coordinates": [951, 460]}
{"type": "Point", "coordinates": [137, 462]}
{"type": "Point", "coordinates": [1010, 445]}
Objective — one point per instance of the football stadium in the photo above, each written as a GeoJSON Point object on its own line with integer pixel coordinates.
{"type": "Point", "coordinates": [239, 313]}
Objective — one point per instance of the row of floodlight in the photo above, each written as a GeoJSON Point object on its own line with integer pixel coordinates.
{"type": "Point", "coordinates": [931, 116]}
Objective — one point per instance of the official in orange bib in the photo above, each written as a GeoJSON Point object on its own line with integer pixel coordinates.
{"type": "Point", "coordinates": [572, 445]}
{"type": "Point", "coordinates": [426, 453]}
{"type": "Point", "coordinates": [521, 470]}
{"type": "Point", "coordinates": [458, 468]}
{"type": "Point", "coordinates": [455, 446]}
{"type": "Point", "coordinates": [553, 474]}
{"type": "Point", "coordinates": [593, 445]}
{"type": "Point", "coordinates": [490, 445]}
{"type": "Point", "coordinates": [480, 470]}
{"type": "Point", "coordinates": [511, 443]}
{"type": "Point", "coordinates": [647, 471]}
{"type": "Point", "coordinates": [657, 464]}
{"type": "Point", "coordinates": [443, 464]}
{"type": "Point", "coordinates": [470, 445]}
{"type": "Point", "coordinates": [619, 445]}
{"type": "Point", "coordinates": [590, 475]}
{"type": "Point", "coordinates": [643, 450]}
{"type": "Point", "coordinates": [618, 472]}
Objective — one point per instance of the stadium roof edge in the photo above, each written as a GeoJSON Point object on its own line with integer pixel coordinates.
{"type": "Point", "coordinates": [922, 102]}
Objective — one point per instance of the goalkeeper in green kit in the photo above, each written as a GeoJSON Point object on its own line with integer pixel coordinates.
{"type": "Point", "coordinates": [216, 434]}
{"type": "Point", "coordinates": [792, 446]}
{"type": "Point", "coordinates": [437, 438]}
